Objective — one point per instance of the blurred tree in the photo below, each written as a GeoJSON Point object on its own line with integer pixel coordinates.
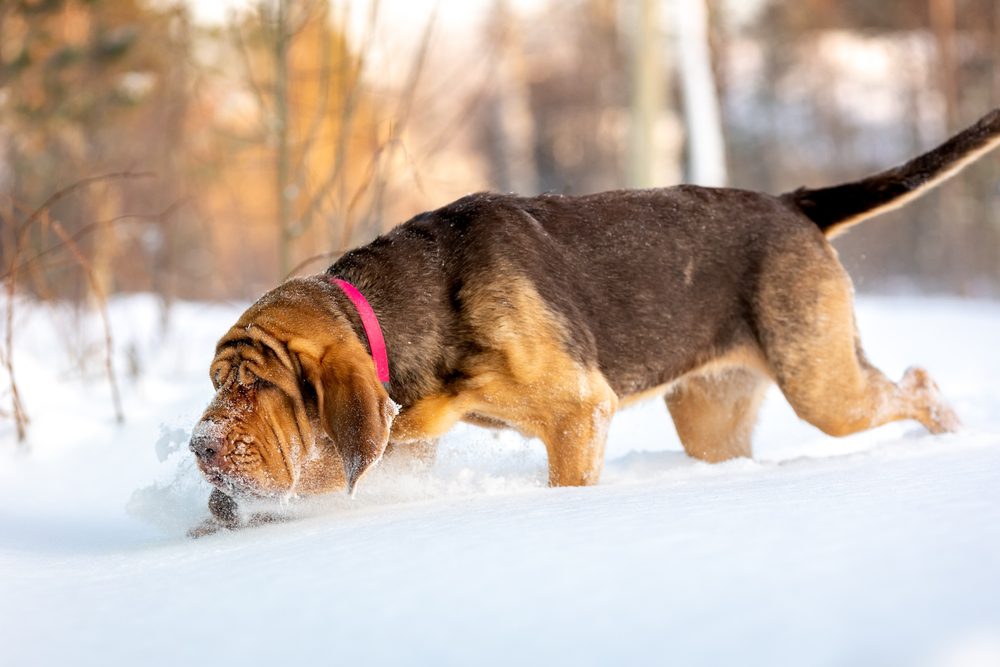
{"type": "Point", "coordinates": [311, 128]}
{"type": "Point", "coordinates": [649, 79]}
{"type": "Point", "coordinates": [86, 88]}
{"type": "Point", "coordinates": [579, 98]}
{"type": "Point", "coordinates": [506, 127]}
{"type": "Point", "coordinates": [810, 119]}
{"type": "Point", "coordinates": [700, 100]}
{"type": "Point", "coordinates": [272, 140]}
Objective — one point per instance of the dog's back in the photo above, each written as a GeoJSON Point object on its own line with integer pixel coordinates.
{"type": "Point", "coordinates": [647, 284]}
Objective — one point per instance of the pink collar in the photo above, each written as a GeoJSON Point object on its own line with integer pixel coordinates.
{"type": "Point", "coordinates": [372, 329]}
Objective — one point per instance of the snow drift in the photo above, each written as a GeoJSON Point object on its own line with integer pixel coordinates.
{"type": "Point", "coordinates": [879, 549]}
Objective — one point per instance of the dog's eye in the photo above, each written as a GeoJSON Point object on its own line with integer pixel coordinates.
{"type": "Point", "coordinates": [308, 392]}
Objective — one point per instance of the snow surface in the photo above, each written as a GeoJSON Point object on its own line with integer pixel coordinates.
{"type": "Point", "coordinates": [879, 549]}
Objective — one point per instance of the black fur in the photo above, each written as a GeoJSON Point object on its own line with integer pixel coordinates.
{"type": "Point", "coordinates": [648, 284]}
{"type": "Point", "coordinates": [828, 207]}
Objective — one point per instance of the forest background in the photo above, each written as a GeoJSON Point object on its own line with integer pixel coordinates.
{"type": "Point", "coordinates": [207, 151]}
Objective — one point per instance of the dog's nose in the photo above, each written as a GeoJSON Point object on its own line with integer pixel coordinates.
{"type": "Point", "coordinates": [205, 447]}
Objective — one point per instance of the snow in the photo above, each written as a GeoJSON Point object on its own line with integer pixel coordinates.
{"type": "Point", "coordinates": [879, 549]}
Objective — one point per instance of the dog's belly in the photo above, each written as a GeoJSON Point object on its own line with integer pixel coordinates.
{"type": "Point", "coordinates": [745, 356]}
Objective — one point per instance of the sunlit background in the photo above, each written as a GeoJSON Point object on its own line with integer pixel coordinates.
{"type": "Point", "coordinates": [239, 142]}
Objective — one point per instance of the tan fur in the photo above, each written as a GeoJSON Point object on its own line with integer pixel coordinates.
{"type": "Point", "coordinates": [813, 350]}
{"type": "Point", "coordinates": [273, 444]}
{"type": "Point", "coordinates": [525, 379]}
{"type": "Point", "coordinates": [714, 407]}
{"type": "Point", "coordinates": [715, 413]}
{"type": "Point", "coordinates": [755, 294]}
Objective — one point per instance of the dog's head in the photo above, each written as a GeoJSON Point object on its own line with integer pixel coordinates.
{"type": "Point", "coordinates": [294, 385]}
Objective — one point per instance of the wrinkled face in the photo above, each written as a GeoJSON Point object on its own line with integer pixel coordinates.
{"type": "Point", "coordinates": [298, 407]}
{"type": "Point", "coordinates": [257, 431]}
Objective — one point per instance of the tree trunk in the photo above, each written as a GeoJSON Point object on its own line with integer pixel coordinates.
{"type": "Point", "coordinates": [281, 129]}
{"type": "Point", "coordinates": [957, 255]}
{"type": "Point", "coordinates": [702, 117]}
{"type": "Point", "coordinates": [648, 82]}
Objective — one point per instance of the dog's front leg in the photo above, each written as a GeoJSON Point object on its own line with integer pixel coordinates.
{"type": "Point", "coordinates": [416, 455]}
{"type": "Point", "coordinates": [428, 418]}
{"type": "Point", "coordinates": [571, 414]}
{"type": "Point", "coordinates": [574, 441]}
{"type": "Point", "coordinates": [225, 516]}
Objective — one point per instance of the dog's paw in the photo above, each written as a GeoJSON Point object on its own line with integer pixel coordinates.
{"type": "Point", "coordinates": [224, 509]}
{"type": "Point", "coordinates": [205, 528]}
{"type": "Point", "coordinates": [264, 518]}
{"type": "Point", "coordinates": [944, 419]}
{"type": "Point", "coordinates": [225, 516]}
{"type": "Point", "coordinates": [938, 416]}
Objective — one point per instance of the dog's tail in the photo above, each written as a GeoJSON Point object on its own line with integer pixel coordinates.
{"type": "Point", "coordinates": [836, 208]}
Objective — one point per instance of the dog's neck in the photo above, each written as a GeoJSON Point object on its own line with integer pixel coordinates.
{"type": "Point", "coordinates": [371, 327]}
{"type": "Point", "coordinates": [417, 325]}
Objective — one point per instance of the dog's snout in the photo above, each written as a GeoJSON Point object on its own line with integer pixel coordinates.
{"type": "Point", "coordinates": [204, 447]}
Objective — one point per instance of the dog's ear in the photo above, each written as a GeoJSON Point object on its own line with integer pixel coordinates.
{"type": "Point", "coordinates": [355, 411]}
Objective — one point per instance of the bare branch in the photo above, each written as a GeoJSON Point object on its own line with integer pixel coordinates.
{"type": "Point", "coordinates": [326, 51]}
{"type": "Point", "coordinates": [102, 305]}
{"type": "Point", "coordinates": [79, 185]}
{"type": "Point", "coordinates": [88, 229]}
{"type": "Point", "coordinates": [352, 77]}
{"type": "Point", "coordinates": [20, 415]}
{"type": "Point", "coordinates": [237, 32]}
{"type": "Point", "coordinates": [403, 112]}
{"type": "Point", "coordinates": [20, 234]}
{"type": "Point", "coordinates": [332, 255]}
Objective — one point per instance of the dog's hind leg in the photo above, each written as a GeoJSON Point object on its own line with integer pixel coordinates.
{"type": "Point", "coordinates": [805, 320]}
{"type": "Point", "coordinates": [715, 413]}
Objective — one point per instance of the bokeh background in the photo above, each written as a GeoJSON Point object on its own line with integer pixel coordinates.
{"type": "Point", "coordinates": [208, 150]}
{"type": "Point", "coordinates": [259, 135]}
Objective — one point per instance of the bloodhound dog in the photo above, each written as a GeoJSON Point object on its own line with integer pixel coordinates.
{"type": "Point", "coordinates": [546, 314]}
